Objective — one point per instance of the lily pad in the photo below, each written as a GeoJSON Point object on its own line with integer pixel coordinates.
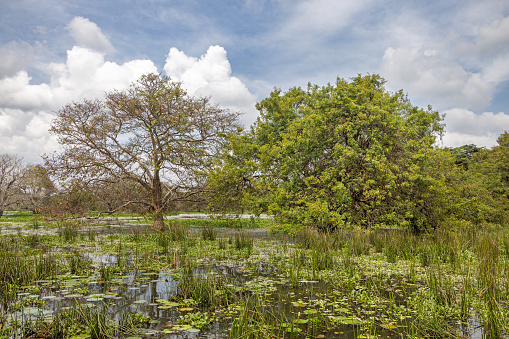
{"type": "Point", "coordinates": [186, 309]}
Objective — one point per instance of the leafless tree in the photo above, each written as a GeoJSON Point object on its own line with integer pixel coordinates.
{"type": "Point", "coordinates": [11, 170]}
{"type": "Point", "coordinates": [152, 134]}
{"type": "Point", "coordinates": [35, 187]}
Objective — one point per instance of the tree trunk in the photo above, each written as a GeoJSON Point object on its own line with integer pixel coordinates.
{"type": "Point", "coordinates": [1, 212]}
{"type": "Point", "coordinates": [157, 202]}
{"type": "Point", "coordinates": [159, 221]}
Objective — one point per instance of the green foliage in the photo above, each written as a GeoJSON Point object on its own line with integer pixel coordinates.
{"type": "Point", "coordinates": [463, 154]}
{"type": "Point", "coordinates": [349, 154]}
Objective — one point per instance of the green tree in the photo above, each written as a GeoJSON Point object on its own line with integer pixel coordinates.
{"type": "Point", "coordinates": [153, 135]}
{"type": "Point", "coordinates": [345, 155]}
{"type": "Point", "coordinates": [490, 170]}
{"type": "Point", "coordinates": [463, 154]}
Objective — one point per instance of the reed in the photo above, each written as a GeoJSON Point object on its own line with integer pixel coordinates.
{"type": "Point", "coordinates": [208, 233]}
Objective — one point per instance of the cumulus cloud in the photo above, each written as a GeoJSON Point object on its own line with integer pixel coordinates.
{"type": "Point", "coordinates": [443, 82]}
{"type": "Point", "coordinates": [465, 127]}
{"type": "Point", "coordinates": [84, 75]}
{"type": "Point", "coordinates": [210, 75]}
{"type": "Point", "coordinates": [26, 109]}
{"type": "Point", "coordinates": [89, 35]}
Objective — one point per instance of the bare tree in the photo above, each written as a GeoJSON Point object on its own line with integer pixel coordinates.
{"type": "Point", "coordinates": [35, 187]}
{"type": "Point", "coordinates": [11, 168]}
{"type": "Point", "coordinates": [152, 134]}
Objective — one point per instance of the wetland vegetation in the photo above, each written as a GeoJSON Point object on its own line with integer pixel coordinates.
{"type": "Point", "coordinates": [198, 281]}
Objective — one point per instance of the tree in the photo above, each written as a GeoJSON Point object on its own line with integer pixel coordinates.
{"type": "Point", "coordinates": [153, 135]}
{"type": "Point", "coordinates": [349, 154]}
{"type": "Point", "coordinates": [35, 187]}
{"type": "Point", "coordinates": [491, 169]}
{"type": "Point", "coordinates": [11, 167]}
{"type": "Point", "coordinates": [463, 154]}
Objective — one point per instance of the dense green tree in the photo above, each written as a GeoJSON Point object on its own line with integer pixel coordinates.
{"type": "Point", "coordinates": [463, 154]}
{"type": "Point", "coordinates": [342, 155]}
{"type": "Point", "coordinates": [491, 170]}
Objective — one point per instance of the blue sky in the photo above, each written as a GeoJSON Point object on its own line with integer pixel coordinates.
{"type": "Point", "coordinates": [453, 55]}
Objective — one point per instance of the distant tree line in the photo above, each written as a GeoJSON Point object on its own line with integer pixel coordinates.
{"type": "Point", "coordinates": [349, 154]}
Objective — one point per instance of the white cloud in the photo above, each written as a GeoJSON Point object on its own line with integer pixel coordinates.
{"type": "Point", "coordinates": [424, 73]}
{"type": "Point", "coordinates": [466, 127]}
{"type": "Point", "coordinates": [25, 107]}
{"type": "Point", "coordinates": [497, 71]}
{"type": "Point", "coordinates": [494, 37]}
{"type": "Point", "coordinates": [211, 76]}
{"type": "Point", "coordinates": [26, 133]}
{"type": "Point", "coordinates": [15, 56]}
{"type": "Point", "coordinates": [88, 34]}
{"type": "Point", "coordinates": [84, 75]}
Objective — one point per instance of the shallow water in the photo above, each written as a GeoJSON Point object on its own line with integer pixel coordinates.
{"type": "Point", "coordinates": [141, 291]}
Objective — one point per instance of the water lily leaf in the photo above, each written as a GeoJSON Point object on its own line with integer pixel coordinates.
{"type": "Point", "coordinates": [299, 304]}
{"type": "Point", "coordinates": [93, 299]}
{"type": "Point", "coordinates": [310, 311]}
{"type": "Point", "coordinates": [81, 336]}
{"type": "Point", "coordinates": [193, 330]}
{"type": "Point", "coordinates": [300, 321]}
{"type": "Point", "coordinates": [167, 303]}
{"type": "Point", "coordinates": [348, 321]}
{"type": "Point", "coordinates": [186, 309]}
{"type": "Point", "coordinates": [389, 326]}
{"type": "Point", "coordinates": [140, 302]}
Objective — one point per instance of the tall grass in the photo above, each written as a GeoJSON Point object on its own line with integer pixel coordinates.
{"type": "Point", "coordinates": [207, 291]}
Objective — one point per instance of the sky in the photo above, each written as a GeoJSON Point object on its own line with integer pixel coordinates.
{"type": "Point", "coordinates": [452, 55]}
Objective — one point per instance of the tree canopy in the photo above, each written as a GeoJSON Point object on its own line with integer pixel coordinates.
{"type": "Point", "coordinates": [153, 135]}
{"type": "Point", "coordinates": [346, 154]}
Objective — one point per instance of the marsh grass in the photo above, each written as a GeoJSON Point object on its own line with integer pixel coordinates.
{"type": "Point", "coordinates": [493, 313]}
{"type": "Point", "coordinates": [415, 285]}
{"type": "Point", "coordinates": [255, 323]}
{"type": "Point", "coordinates": [98, 323]}
{"type": "Point", "coordinates": [208, 233]}
{"type": "Point", "coordinates": [207, 291]}
{"type": "Point", "coordinates": [243, 240]}
{"type": "Point", "coordinates": [68, 230]}
{"type": "Point", "coordinates": [219, 222]}
{"type": "Point", "coordinates": [177, 230]}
